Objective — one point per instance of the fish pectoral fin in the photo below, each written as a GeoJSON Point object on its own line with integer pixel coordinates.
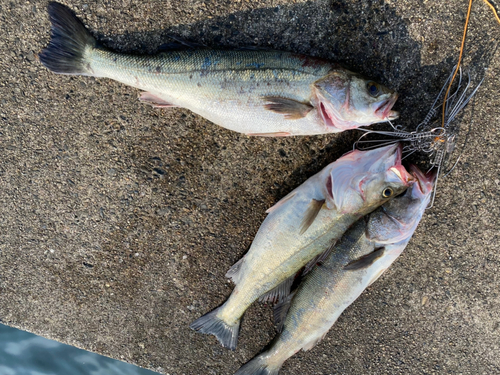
{"type": "Point", "coordinates": [154, 101]}
{"type": "Point", "coordinates": [366, 260]}
{"type": "Point", "coordinates": [281, 310]}
{"type": "Point", "coordinates": [310, 214]}
{"type": "Point", "coordinates": [278, 293]}
{"type": "Point", "coordinates": [318, 260]}
{"type": "Point", "coordinates": [292, 109]}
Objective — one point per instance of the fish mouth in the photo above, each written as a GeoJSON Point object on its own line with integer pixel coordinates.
{"type": "Point", "coordinates": [384, 109]}
{"type": "Point", "coordinates": [425, 180]}
{"type": "Point", "coordinates": [399, 170]}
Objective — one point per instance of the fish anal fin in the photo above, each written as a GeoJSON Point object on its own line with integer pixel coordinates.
{"type": "Point", "coordinates": [280, 311]}
{"type": "Point", "coordinates": [281, 202]}
{"type": "Point", "coordinates": [154, 101]}
{"type": "Point", "coordinates": [276, 134]}
{"type": "Point", "coordinates": [279, 293]}
{"type": "Point", "coordinates": [366, 260]}
{"type": "Point", "coordinates": [310, 214]}
{"type": "Point", "coordinates": [234, 271]}
{"type": "Point", "coordinates": [311, 344]}
{"type": "Point", "coordinates": [292, 109]}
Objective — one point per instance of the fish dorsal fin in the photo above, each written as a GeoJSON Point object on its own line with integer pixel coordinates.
{"type": "Point", "coordinates": [318, 260]}
{"type": "Point", "coordinates": [278, 293]}
{"type": "Point", "coordinates": [311, 344]}
{"type": "Point", "coordinates": [234, 271]}
{"type": "Point", "coordinates": [281, 202]}
{"type": "Point", "coordinates": [310, 214]}
{"type": "Point", "coordinates": [281, 310]}
{"type": "Point", "coordinates": [366, 260]}
{"type": "Point", "coordinates": [179, 44]}
{"type": "Point", "coordinates": [292, 109]}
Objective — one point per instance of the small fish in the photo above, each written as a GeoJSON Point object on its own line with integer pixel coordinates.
{"type": "Point", "coordinates": [265, 93]}
{"type": "Point", "coordinates": [363, 254]}
{"type": "Point", "coordinates": [303, 225]}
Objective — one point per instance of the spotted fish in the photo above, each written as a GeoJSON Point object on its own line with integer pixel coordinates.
{"type": "Point", "coordinates": [266, 93]}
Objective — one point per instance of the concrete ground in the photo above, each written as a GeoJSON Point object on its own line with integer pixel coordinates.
{"type": "Point", "coordinates": [118, 221]}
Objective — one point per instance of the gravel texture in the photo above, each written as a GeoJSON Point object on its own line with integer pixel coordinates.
{"type": "Point", "coordinates": [118, 221]}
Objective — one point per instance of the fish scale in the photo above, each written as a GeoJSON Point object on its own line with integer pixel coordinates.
{"type": "Point", "coordinates": [214, 89]}
{"type": "Point", "coordinates": [268, 93]}
{"type": "Point", "coordinates": [311, 312]}
{"type": "Point", "coordinates": [269, 269]}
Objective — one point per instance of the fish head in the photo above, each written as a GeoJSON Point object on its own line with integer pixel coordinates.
{"type": "Point", "coordinates": [346, 100]}
{"type": "Point", "coordinates": [397, 219]}
{"type": "Point", "coordinates": [361, 181]}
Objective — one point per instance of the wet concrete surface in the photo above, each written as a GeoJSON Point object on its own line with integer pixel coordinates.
{"type": "Point", "coordinates": [118, 222]}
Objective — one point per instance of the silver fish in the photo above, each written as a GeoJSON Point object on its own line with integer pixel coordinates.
{"type": "Point", "coordinates": [363, 254]}
{"type": "Point", "coordinates": [303, 225]}
{"type": "Point", "coordinates": [267, 93]}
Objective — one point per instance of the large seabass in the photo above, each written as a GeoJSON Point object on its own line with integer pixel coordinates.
{"type": "Point", "coordinates": [302, 226]}
{"type": "Point", "coordinates": [267, 93]}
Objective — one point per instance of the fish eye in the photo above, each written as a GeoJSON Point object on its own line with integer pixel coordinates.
{"type": "Point", "coordinates": [373, 89]}
{"type": "Point", "coordinates": [387, 193]}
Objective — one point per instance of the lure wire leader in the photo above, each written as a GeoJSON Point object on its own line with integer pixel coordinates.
{"type": "Point", "coordinates": [438, 142]}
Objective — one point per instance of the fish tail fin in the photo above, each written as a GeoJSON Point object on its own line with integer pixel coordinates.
{"type": "Point", "coordinates": [259, 366]}
{"type": "Point", "coordinates": [227, 334]}
{"type": "Point", "coordinates": [69, 44]}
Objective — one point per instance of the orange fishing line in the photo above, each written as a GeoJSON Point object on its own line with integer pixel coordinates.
{"type": "Point", "coordinates": [495, 13]}
{"type": "Point", "coordinates": [459, 60]}
{"type": "Point", "coordinates": [493, 9]}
